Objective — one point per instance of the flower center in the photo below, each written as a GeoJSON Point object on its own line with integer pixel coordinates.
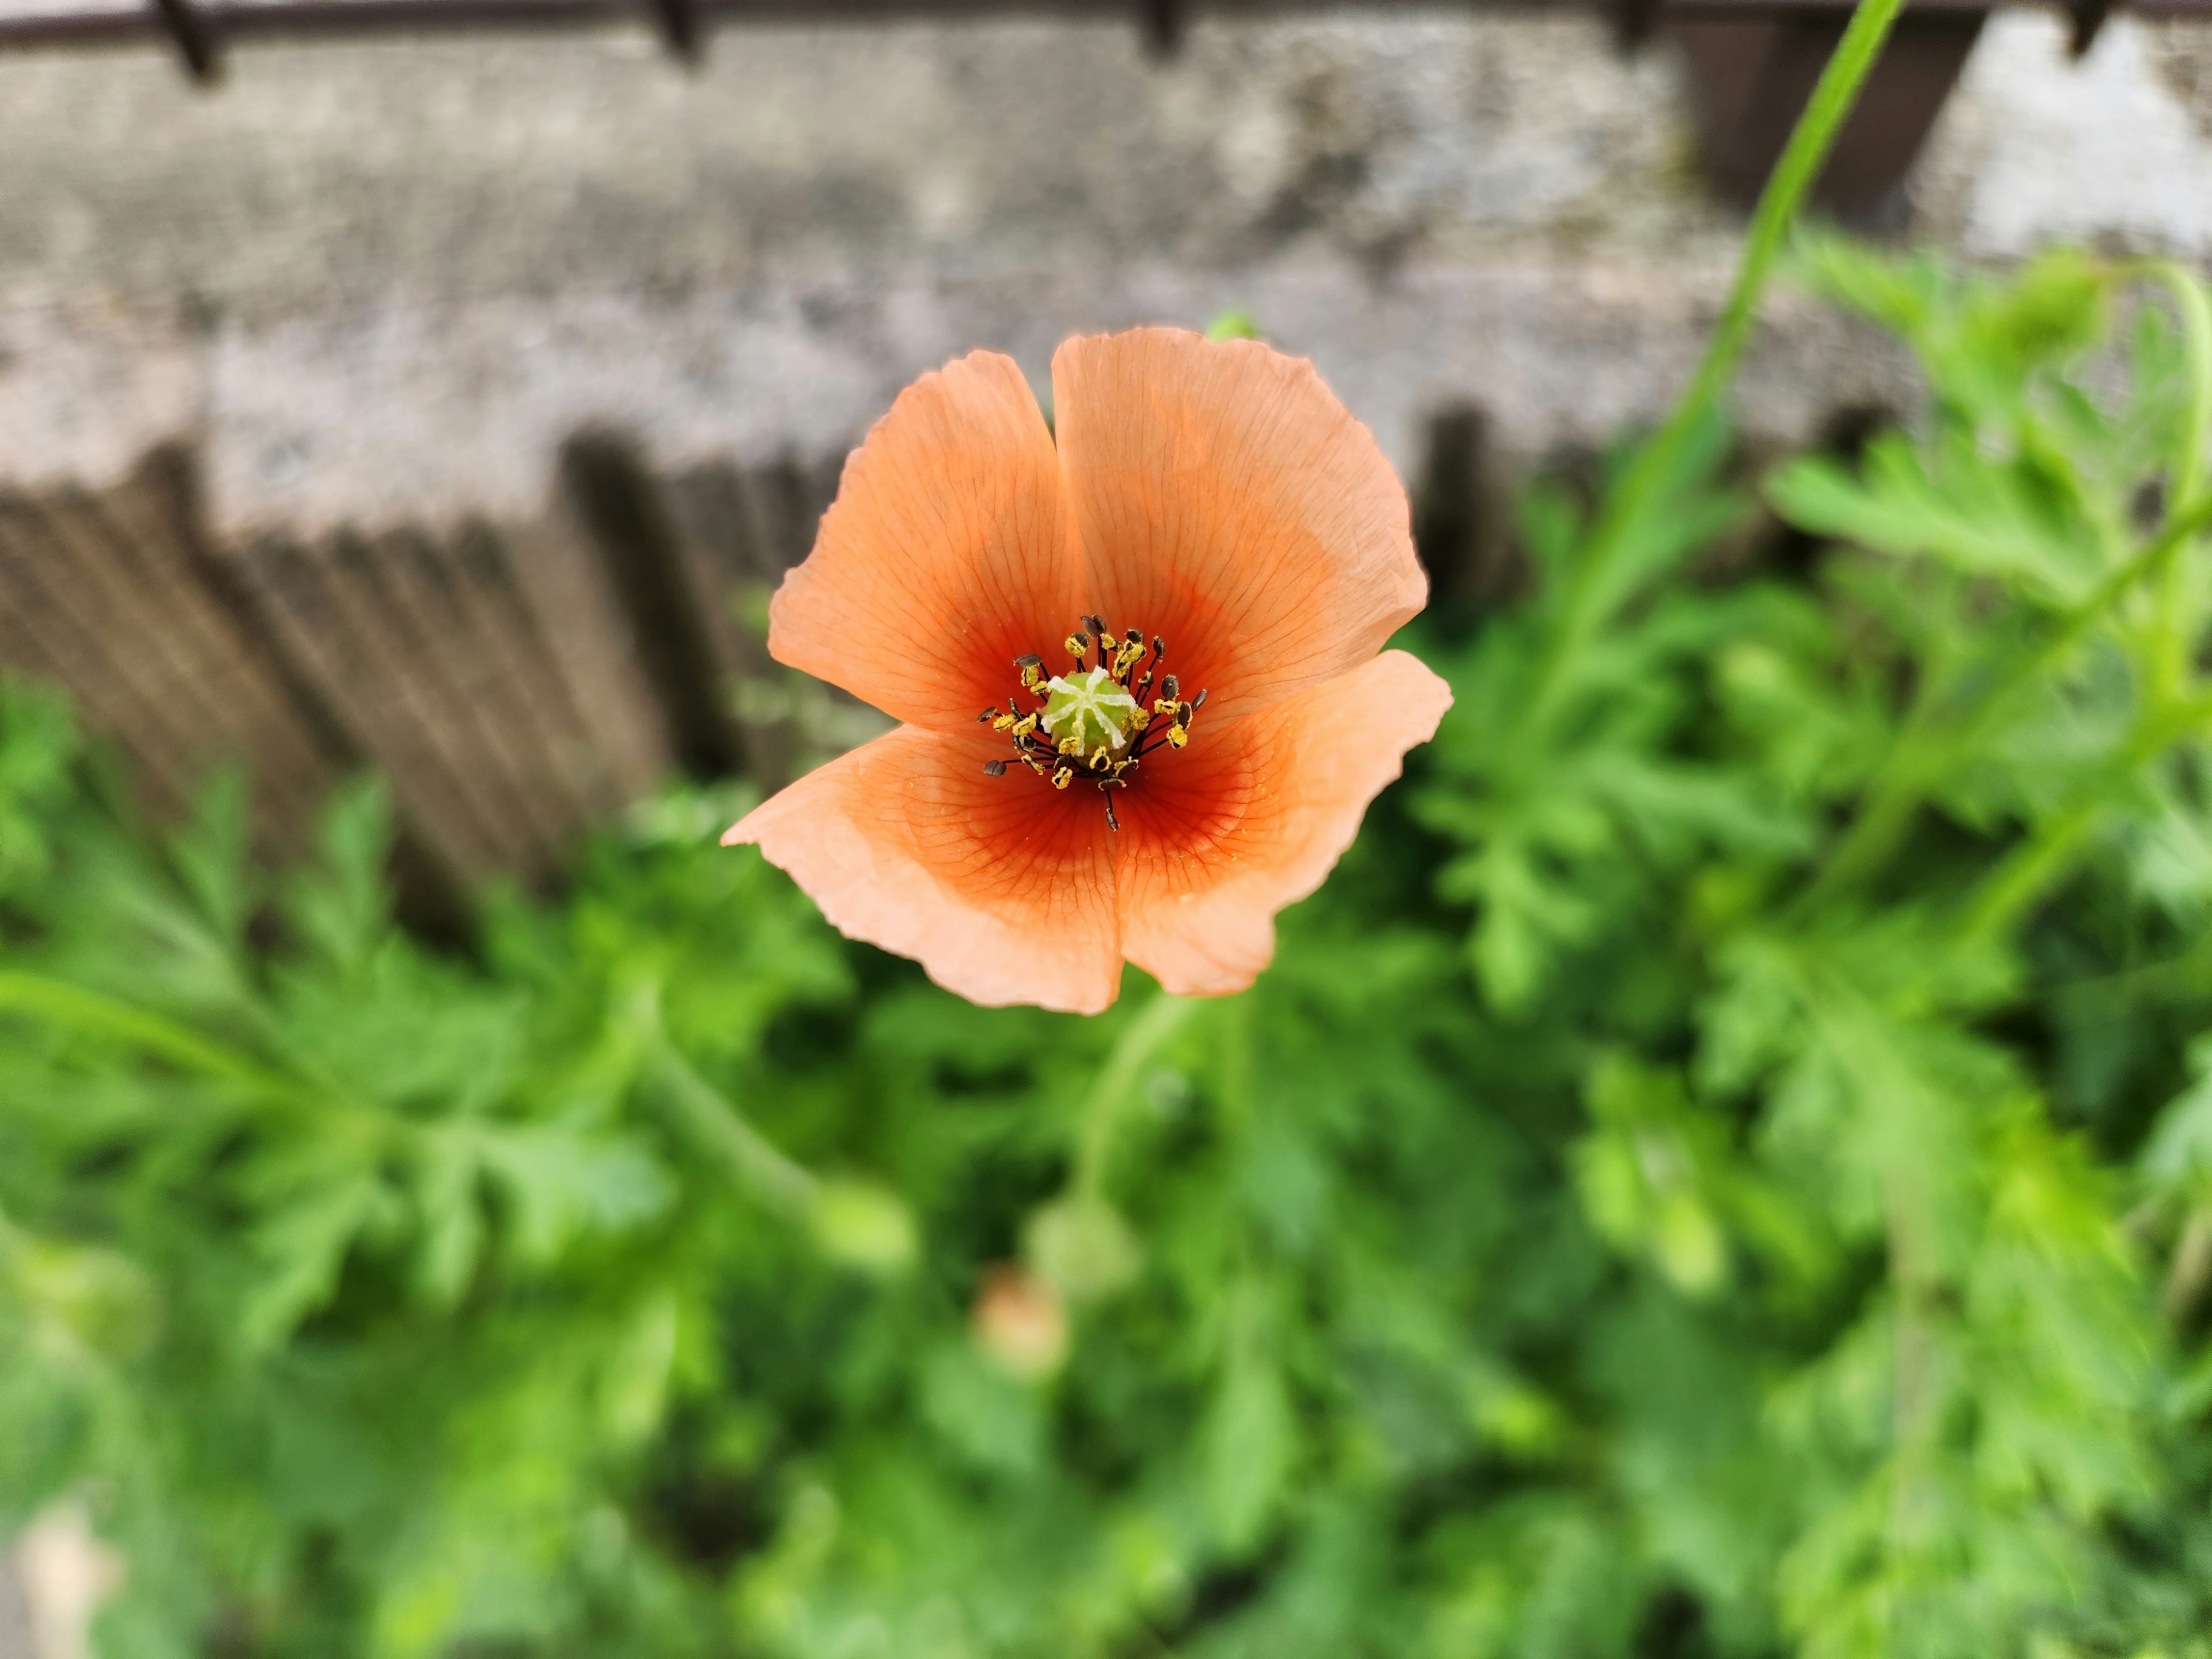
{"type": "Point", "coordinates": [1094, 709]}
{"type": "Point", "coordinates": [1093, 722]}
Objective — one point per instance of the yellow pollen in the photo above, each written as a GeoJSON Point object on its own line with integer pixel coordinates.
{"type": "Point", "coordinates": [1096, 721]}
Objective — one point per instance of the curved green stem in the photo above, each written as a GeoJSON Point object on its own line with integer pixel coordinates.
{"type": "Point", "coordinates": [1116, 1083]}
{"type": "Point", "coordinates": [1918, 758]}
{"type": "Point", "coordinates": [2028, 870]}
{"type": "Point", "coordinates": [2185, 481]}
{"type": "Point", "coordinates": [60, 1003]}
{"type": "Point", "coordinates": [783, 1186]}
{"type": "Point", "coordinates": [1656, 463]}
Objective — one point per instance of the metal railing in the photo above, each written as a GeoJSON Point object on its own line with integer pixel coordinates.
{"type": "Point", "coordinates": [200, 30]}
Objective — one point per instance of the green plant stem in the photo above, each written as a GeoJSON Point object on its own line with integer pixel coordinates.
{"type": "Point", "coordinates": [2029, 869]}
{"type": "Point", "coordinates": [782, 1185]}
{"type": "Point", "coordinates": [1779, 203]}
{"type": "Point", "coordinates": [1117, 1084]}
{"type": "Point", "coordinates": [1924, 753]}
{"type": "Point", "coordinates": [2186, 481]}
{"type": "Point", "coordinates": [60, 1003]}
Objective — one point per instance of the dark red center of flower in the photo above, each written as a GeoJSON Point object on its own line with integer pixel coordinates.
{"type": "Point", "coordinates": [1100, 719]}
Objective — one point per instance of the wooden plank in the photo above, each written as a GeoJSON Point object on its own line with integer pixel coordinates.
{"type": "Point", "coordinates": [1753, 77]}
{"type": "Point", "coordinates": [240, 707]}
{"type": "Point", "coordinates": [739, 529]}
{"type": "Point", "coordinates": [626, 515]}
{"type": "Point", "coordinates": [320, 614]}
{"type": "Point", "coordinates": [455, 672]}
{"type": "Point", "coordinates": [64, 631]}
{"type": "Point", "coordinates": [588, 647]}
{"type": "Point", "coordinates": [543, 701]}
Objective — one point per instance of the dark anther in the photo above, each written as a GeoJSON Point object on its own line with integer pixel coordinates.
{"type": "Point", "coordinates": [1198, 701]}
{"type": "Point", "coordinates": [1169, 688]}
{"type": "Point", "coordinates": [1159, 646]}
{"type": "Point", "coordinates": [1081, 641]}
{"type": "Point", "coordinates": [1032, 660]}
{"type": "Point", "coordinates": [1134, 636]}
{"type": "Point", "coordinates": [996, 769]}
{"type": "Point", "coordinates": [1097, 625]}
{"type": "Point", "coordinates": [1112, 822]}
{"type": "Point", "coordinates": [1183, 711]}
{"type": "Point", "coordinates": [987, 716]}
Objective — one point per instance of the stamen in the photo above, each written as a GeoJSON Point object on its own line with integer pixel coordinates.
{"type": "Point", "coordinates": [1096, 721]}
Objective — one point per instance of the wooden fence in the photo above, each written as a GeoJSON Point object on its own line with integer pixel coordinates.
{"type": "Point", "coordinates": [515, 682]}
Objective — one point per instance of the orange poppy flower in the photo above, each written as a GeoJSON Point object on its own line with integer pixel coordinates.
{"type": "Point", "coordinates": [1137, 668]}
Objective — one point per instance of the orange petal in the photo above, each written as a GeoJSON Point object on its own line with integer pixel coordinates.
{"type": "Point", "coordinates": [945, 556]}
{"type": "Point", "coordinates": [1217, 838]}
{"type": "Point", "coordinates": [1001, 888]}
{"type": "Point", "coordinates": [1225, 499]}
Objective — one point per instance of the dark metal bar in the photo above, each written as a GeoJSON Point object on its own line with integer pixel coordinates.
{"type": "Point", "coordinates": [682, 29]}
{"type": "Point", "coordinates": [195, 41]}
{"type": "Point", "coordinates": [2089, 16]}
{"type": "Point", "coordinates": [1163, 22]}
{"type": "Point", "coordinates": [229, 20]}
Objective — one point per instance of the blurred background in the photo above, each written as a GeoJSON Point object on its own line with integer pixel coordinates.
{"type": "Point", "coordinates": [440, 397]}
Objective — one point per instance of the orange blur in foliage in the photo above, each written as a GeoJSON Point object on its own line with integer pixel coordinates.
{"type": "Point", "coordinates": [1213, 495]}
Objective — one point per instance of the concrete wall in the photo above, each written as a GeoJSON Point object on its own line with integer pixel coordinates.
{"type": "Point", "coordinates": [379, 282]}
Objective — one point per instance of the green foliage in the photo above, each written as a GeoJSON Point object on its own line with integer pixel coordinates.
{"type": "Point", "coordinates": [1724, 1169]}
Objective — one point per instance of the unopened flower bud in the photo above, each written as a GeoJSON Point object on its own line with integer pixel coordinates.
{"type": "Point", "coordinates": [1019, 1320]}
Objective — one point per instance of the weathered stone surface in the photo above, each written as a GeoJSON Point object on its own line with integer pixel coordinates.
{"type": "Point", "coordinates": [381, 283]}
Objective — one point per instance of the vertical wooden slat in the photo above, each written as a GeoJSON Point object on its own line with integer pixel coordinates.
{"type": "Point", "coordinates": [105, 658]}
{"type": "Point", "coordinates": [1754, 76]}
{"type": "Point", "coordinates": [561, 584]}
{"type": "Point", "coordinates": [541, 704]}
{"type": "Point", "coordinates": [495, 675]}
{"type": "Point", "coordinates": [243, 708]}
{"type": "Point", "coordinates": [621, 506]}
{"type": "Point", "coordinates": [331, 631]}
{"type": "Point", "coordinates": [456, 673]}
{"type": "Point", "coordinates": [738, 531]}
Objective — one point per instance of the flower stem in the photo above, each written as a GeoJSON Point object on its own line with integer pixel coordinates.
{"type": "Point", "coordinates": [786, 1188]}
{"type": "Point", "coordinates": [1779, 203]}
{"type": "Point", "coordinates": [1116, 1083]}
{"type": "Point", "coordinates": [1918, 758]}
{"type": "Point", "coordinates": [154, 1035]}
{"type": "Point", "coordinates": [2186, 481]}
